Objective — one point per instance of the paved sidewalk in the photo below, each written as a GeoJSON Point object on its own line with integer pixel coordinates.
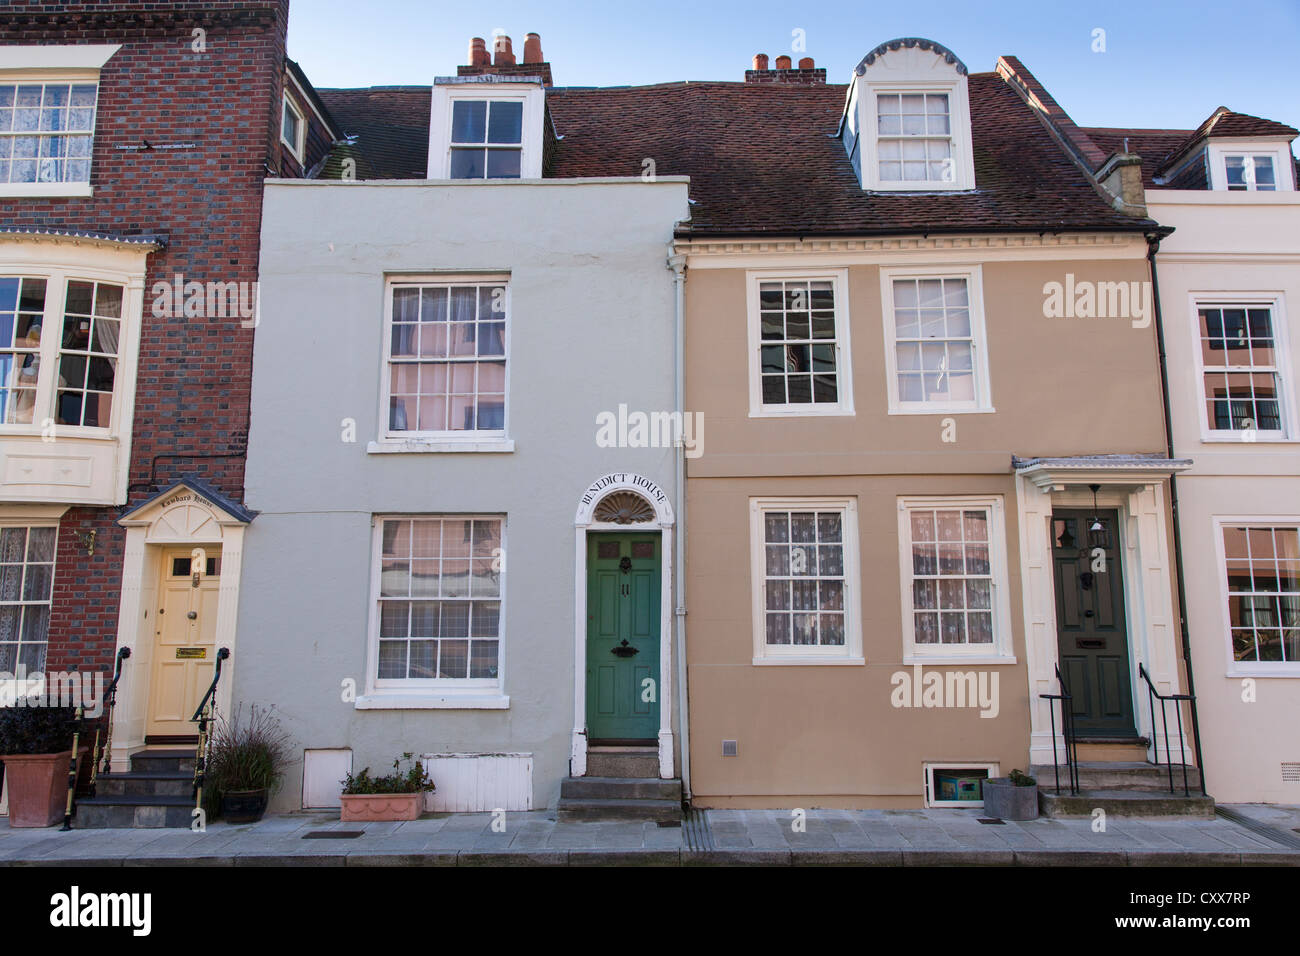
{"type": "Point", "coordinates": [713, 837]}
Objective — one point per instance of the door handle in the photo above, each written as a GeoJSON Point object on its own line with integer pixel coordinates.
{"type": "Point", "coordinates": [193, 615]}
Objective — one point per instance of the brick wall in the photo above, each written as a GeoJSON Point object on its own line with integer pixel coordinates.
{"type": "Point", "coordinates": [192, 390]}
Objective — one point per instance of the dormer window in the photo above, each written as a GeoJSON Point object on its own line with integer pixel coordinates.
{"type": "Point", "coordinates": [906, 124]}
{"type": "Point", "coordinates": [293, 128]}
{"type": "Point", "coordinates": [484, 127]}
{"type": "Point", "coordinates": [487, 138]}
{"type": "Point", "coordinates": [914, 141]}
{"type": "Point", "coordinates": [1250, 166]}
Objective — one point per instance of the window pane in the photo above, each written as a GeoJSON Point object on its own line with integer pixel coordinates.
{"type": "Point", "coordinates": [468, 121]}
{"type": "Point", "coordinates": [468, 163]}
{"type": "Point", "coordinates": [506, 122]}
{"type": "Point", "coordinates": [503, 163]}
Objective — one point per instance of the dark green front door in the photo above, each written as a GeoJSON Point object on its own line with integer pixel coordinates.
{"type": "Point", "coordinates": [1091, 633]}
{"type": "Point", "coordinates": [623, 637]}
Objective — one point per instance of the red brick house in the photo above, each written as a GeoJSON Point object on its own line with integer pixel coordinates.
{"type": "Point", "coordinates": [134, 141]}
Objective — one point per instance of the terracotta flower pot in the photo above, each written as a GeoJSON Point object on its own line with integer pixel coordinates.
{"type": "Point", "coordinates": [38, 788]}
{"type": "Point", "coordinates": [359, 807]}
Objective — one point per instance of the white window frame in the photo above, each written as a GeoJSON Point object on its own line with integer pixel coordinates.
{"type": "Point", "coordinates": [929, 790]}
{"type": "Point", "coordinates": [1283, 168]}
{"type": "Point", "coordinates": [10, 688]}
{"type": "Point", "coordinates": [973, 275]}
{"type": "Point", "coordinates": [447, 94]}
{"type": "Point", "coordinates": [839, 279]}
{"type": "Point", "coordinates": [484, 440]}
{"type": "Point", "coordinates": [1234, 667]}
{"type": "Point", "coordinates": [1002, 650]}
{"type": "Point", "coordinates": [76, 63]}
{"type": "Point", "coordinates": [913, 81]}
{"type": "Point", "coordinates": [1276, 303]}
{"type": "Point", "coordinates": [298, 145]}
{"type": "Point", "coordinates": [56, 287]}
{"type": "Point", "coordinates": [436, 693]}
{"type": "Point", "coordinates": [851, 651]}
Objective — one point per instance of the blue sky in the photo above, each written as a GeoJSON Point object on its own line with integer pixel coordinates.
{"type": "Point", "coordinates": [1166, 63]}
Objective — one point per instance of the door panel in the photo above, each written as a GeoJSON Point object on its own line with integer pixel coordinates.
{"type": "Point", "coordinates": [184, 642]}
{"type": "Point", "coordinates": [623, 593]}
{"type": "Point", "coordinates": [1091, 629]}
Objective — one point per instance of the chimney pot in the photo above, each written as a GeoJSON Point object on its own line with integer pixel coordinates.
{"type": "Point", "coordinates": [760, 61]}
{"type": "Point", "coordinates": [478, 52]}
{"type": "Point", "coordinates": [783, 63]}
{"type": "Point", "coordinates": [533, 48]}
{"type": "Point", "coordinates": [503, 53]}
{"type": "Point", "coordinates": [806, 63]}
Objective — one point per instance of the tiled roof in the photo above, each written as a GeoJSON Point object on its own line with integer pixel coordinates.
{"type": "Point", "coordinates": [764, 158]}
{"type": "Point", "coordinates": [1153, 145]}
{"type": "Point", "coordinates": [1163, 149]}
{"type": "Point", "coordinates": [391, 124]}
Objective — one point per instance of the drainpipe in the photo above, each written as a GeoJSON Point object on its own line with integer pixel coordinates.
{"type": "Point", "coordinates": [677, 263]}
{"type": "Point", "coordinates": [1153, 245]}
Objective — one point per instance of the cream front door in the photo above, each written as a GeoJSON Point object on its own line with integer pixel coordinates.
{"type": "Point", "coordinates": [185, 628]}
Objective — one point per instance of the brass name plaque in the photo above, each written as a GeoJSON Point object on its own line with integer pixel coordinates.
{"type": "Point", "coordinates": [191, 652]}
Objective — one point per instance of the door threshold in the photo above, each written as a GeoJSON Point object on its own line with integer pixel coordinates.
{"type": "Point", "coordinates": [623, 743]}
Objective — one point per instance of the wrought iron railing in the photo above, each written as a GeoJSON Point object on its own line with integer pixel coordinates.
{"type": "Point", "coordinates": [1067, 734]}
{"type": "Point", "coordinates": [1177, 700]}
{"type": "Point", "coordinates": [203, 716]}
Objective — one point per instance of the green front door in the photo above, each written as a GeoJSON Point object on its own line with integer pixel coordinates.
{"type": "Point", "coordinates": [1091, 633]}
{"type": "Point", "coordinates": [623, 637]}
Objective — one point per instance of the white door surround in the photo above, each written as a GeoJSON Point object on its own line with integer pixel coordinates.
{"type": "Point", "coordinates": [1134, 487]}
{"type": "Point", "coordinates": [584, 522]}
{"type": "Point", "coordinates": [187, 513]}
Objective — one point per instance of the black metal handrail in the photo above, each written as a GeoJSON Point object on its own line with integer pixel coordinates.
{"type": "Point", "coordinates": [203, 715]}
{"type": "Point", "coordinates": [1067, 734]}
{"type": "Point", "coordinates": [1177, 700]}
{"type": "Point", "coordinates": [110, 700]}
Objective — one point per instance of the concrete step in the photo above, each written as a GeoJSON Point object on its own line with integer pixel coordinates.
{"type": "Point", "coordinates": [170, 783]}
{"type": "Point", "coordinates": [620, 788]}
{"type": "Point", "coordinates": [572, 809]}
{"type": "Point", "coordinates": [163, 761]}
{"type": "Point", "coordinates": [640, 762]}
{"type": "Point", "coordinates": [133, 811]}
{"type": "Point", "coordinates": [1110, 750]}
{"type": "Point", "coordinates": [1119, 775]}
{"type": "Point", "coordinates": [1125, 803]}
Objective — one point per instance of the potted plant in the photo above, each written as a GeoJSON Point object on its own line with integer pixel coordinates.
{"type": "Point", "coordinates": [1013, 797]}
{"type": "Point", "coordinates": [36, 747]}
{"type": "Point", "coordinates": [245, 764]}
{"type": "Point", "coordinates": [395, 796]}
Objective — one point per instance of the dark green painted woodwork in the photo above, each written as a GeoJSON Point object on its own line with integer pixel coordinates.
{"type": "Point", "coordinates": [1091, 633]}
{"type": "Point", "coordinates": [623, 590]}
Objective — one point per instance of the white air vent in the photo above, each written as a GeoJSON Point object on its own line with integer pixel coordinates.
{"type": "Point", "coordinates": [730, 748]}
{"type": "Point", "coordinates": [1291, 772]}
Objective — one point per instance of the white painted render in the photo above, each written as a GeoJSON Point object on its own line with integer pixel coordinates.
{"type": "Point", "coordinates": [590, 327]}
{"type": "Point", "coordinates": [1231, 246]}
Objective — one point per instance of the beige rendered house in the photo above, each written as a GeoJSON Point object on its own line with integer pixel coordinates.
{"type": "Point", "coordinates": [936, 469]}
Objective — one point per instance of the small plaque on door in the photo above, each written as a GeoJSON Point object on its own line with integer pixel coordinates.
{"type": "Point", "coordinates": [183, 653]}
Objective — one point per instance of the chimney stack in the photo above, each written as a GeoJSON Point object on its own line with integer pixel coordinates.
{"type": "Point", "coordinates": [481, 59]}
{"type": "Point", "coordinates": [503, 54]}
{"type": "Point", "coordinates": [806, 75]}
{"type": "Point", "coordinates": [533, 48]}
